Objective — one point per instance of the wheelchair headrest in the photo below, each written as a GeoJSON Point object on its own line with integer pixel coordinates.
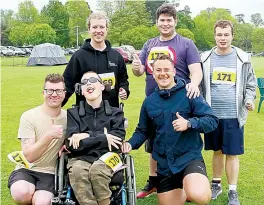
{"type": "Point", "coordinates": [81, 109]}
{"type": "Point", "coordinates": [77, 88]}
{"type": "Point", "coordinates": [108, 109]}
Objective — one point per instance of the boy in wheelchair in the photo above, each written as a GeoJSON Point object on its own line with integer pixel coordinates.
{"type": "Point", "coordinates": [94, 133]}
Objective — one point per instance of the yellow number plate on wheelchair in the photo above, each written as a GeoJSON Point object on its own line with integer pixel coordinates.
{"type": "Point", "coordinates": [19, 158]}
{"type": "Point", "coordinates": [113, 160]}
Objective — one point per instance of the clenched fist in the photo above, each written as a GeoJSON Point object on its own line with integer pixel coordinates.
{"type": "Point", "coordinates": [55, 131]}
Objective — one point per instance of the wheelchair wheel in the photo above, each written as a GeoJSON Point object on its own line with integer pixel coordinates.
{"type": "Point", "coordinates": [56, 176]}
{"type": "Point", "coordinates": [134, 179]}
{"type": "Point", "coordinates": [60, 193]}
{"type": "Point", "coordinates": [130, 181]}
{"type": "Point", "coordinates": [61, 173]}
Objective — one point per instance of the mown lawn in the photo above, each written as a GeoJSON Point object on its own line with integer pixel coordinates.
{"type": "Point", "coordinates": [21, 89]}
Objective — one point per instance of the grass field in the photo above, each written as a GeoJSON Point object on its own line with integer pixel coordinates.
{"type": "Point", "coordinates": [21, 90]}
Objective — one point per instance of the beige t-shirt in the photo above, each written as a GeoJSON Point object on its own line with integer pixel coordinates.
{"type": "Point", "coordinates": [35, 123]}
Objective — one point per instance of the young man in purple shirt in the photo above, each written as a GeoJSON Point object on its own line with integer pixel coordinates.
{"type": "Point", "coordinates": [186, 62]}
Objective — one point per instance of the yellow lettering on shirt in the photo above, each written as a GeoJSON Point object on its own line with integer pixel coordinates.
{"type": "Point", "coordinates": [154, 53]}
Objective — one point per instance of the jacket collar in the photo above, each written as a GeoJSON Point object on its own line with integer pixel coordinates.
{"type": "Point", "coordinates": [91, 110]}
{"type": "Point", "coordinates": [242, 55]}
{"type": "Point", "coordinates": [180, 83]}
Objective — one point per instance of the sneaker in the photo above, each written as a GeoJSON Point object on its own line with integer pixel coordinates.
{"type": "Point", "coordinates": [233, 198]}
{"type": "Point", "coordinates": [146, 191]}
{"type": "Point", "coordinates": [216, 190]}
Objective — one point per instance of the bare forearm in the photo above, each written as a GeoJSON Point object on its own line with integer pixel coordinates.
{"type": "Point", "coordinates": [138, 72]}
{"type": "Point", "coordinates": [36, 150]}
{"type": "Point", "coordinates": [196, 76]}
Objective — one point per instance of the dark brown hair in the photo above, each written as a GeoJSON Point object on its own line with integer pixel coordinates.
{"type": "Point", "coordinates": [224, 24]}
{"type": "Point", "coordinates": [167, 9]}
{"type": "Point", "coordinates": [54, 78]}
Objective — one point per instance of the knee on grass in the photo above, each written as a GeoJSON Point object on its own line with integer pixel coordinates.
{"type": "Point", "coordinates": [21, 195]}
{"type": "Point", "coordinates": [200, 197]}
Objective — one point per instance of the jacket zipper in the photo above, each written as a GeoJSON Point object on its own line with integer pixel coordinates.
{"type": "Point", "coordinates": [95, 119]}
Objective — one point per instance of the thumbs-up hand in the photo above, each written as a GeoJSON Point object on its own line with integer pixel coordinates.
{"type": "Point", "coordinates": [55, 131]}
{"type": "Point", "coordinates": [136, 63]}
{"type": "Point", "coordinates": [122, 94]}
{"type": "Point", "coordinates": [180, 124]}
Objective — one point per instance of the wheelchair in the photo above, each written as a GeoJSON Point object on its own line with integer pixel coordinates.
{"type": "Point", "coordinates": [122, 185]}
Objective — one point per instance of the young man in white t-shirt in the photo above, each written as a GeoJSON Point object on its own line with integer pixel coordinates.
{"type": "Point", "coordinates": [41, 132]}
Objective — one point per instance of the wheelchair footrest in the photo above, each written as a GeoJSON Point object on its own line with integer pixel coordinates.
{"type": "Point", "coordinates": [56, 201]}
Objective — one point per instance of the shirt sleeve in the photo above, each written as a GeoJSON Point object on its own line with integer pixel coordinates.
{"type": "Point", "coordinates": [70, 77]}
{"type": "Point", "coordinates": [204, 121]}
{"type": "Point", "coordinates": [140, 134]}
{"type": "Point", "coordinates": [143, 53]}
{"type": "Point", "coordinates": [251, 84]}
{"type": "Point", "coordinates": [122, 75]}
{"type": "Point", "coordinates": [192, 54]}
{"type": "Point", "coordinates": [26, 127]}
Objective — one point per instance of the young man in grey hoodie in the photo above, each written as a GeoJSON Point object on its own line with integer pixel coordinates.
{"type": "Point", "coordinates": [229, 86]}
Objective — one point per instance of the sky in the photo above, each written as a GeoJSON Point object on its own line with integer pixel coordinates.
{"type": "Point", "coordinates": [246, 7]}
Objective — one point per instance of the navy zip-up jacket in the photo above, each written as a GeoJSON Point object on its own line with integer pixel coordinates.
{"type": "Point", "coordinates": [173, 150]}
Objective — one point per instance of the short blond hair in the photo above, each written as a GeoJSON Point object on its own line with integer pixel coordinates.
{"type": "Point", "coordinates": [97, 15]}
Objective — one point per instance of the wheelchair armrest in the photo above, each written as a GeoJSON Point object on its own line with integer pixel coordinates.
{"type": "Point", "coordinates": [121, 106]}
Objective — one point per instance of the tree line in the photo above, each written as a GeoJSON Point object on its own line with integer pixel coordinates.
{"type": "Point", "coordinates": [131, 22]}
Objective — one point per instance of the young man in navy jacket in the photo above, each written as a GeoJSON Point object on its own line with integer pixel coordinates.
{"type": "Point", "coordinates": [177, 144]}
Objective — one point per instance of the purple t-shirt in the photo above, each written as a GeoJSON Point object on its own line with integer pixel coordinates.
{"type": "Point", "coordinates": [182, 50]}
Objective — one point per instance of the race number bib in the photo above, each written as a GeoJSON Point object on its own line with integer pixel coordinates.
{"type": "Point", "coordinates": [112, 160]}
{"type": "Point", "coordinates": [223, 75]}
{"type": "Point", "coordinates": [108, 78]}
{"type": "Point", "coordinates": [18, 158]}
{"type": "Point", "coordinates": [155, 52]}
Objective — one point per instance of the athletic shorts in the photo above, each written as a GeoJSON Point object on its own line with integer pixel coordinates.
{"type": "Point", "coordinates": [41, 181]}
{"type": "Point", "coordinates": [175, 181]}
{"type": "Point", "coordinates": [228, 137]}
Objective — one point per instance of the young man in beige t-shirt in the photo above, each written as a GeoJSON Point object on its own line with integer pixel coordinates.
{"type": "Point", "coordinates": [41, 131]}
